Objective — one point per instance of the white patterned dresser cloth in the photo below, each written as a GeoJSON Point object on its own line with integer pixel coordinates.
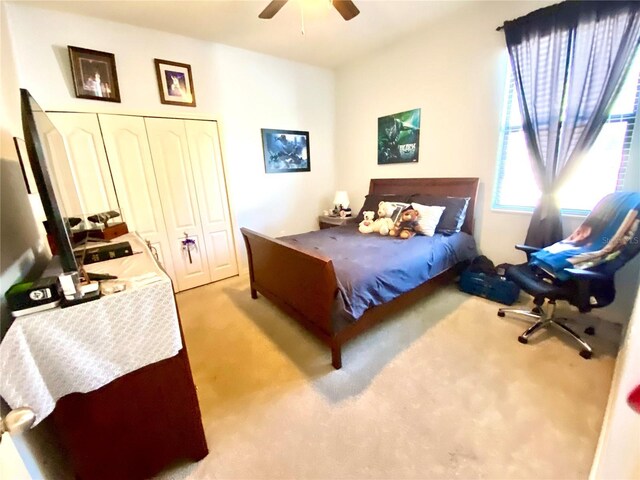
{"type": "Point", "coordinates": [47, 355]}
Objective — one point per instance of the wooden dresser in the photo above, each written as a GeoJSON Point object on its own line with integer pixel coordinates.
{"type": "Point", "coordinates": [113, 373]}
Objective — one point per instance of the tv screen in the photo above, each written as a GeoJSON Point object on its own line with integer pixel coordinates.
{"type": "Point", "coordinates": [38, 130]}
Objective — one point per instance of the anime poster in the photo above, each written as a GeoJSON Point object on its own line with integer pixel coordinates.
{"type": "Point", "coordinates": [399, 137]}
{"type": "Point", "coordinates": [286, 151]}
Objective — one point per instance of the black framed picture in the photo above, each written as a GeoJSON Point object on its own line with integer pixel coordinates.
{"type": "Point", "coordinates": [286, 151]}
{"type": "Point", "coordinates": [175, 83]}
{"type": "Point", "coordinates": [94, 74]}
{"type": "Point", "coordinates": [399, 137]}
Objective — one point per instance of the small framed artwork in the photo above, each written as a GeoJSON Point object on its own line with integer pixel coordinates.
{"type": "Point", "coordinates": [94, 74]}
{"type": "Point", "coordinates": [286, 151]}
{"type": "Point", "coordinates": [399, 137]}
{"type": "Point", "coordinates": [175, 83]}
{"type": "Point", "coordinates": [25, 165]}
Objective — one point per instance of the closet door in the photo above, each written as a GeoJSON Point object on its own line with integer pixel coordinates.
{"type": "Point", "coordinates": [208, 175]}
{"type": "Point", "coordinates": [127, 146]}
{"type": "Point", "coordinates": [83, 175]}
{"type": "Point", "coordinates": [172, 166]}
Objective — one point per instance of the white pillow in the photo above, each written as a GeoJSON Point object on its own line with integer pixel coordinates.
{"type": "Point", "coordinates": [428, 217]}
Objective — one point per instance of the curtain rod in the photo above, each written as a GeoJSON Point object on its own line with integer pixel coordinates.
{"type": "Point", "coordinates": [501, 27]}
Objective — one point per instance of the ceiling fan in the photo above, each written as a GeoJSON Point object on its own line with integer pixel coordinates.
{"type": "Point", "coordinates": [346, 8]}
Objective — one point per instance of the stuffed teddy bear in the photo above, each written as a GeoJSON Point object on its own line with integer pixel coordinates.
{"type": "Point", "coordinates": [383, 223]}
{"type": "Point", "coordinates": [366, 225]}
{"type": "Point", "coordinates": [407, 225]}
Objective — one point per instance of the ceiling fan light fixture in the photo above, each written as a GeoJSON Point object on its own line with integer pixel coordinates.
{"type": "Point", "coordinates": [346, 8]}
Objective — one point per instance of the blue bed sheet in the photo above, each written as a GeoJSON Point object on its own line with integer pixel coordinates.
{"type": "Point", "coordinates": [372, 269]}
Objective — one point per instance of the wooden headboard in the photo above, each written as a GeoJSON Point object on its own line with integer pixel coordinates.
{"type": "Point", "coordinates": [452, 187]}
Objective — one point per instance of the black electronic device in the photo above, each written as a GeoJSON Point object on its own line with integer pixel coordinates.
{"type": "Point", "coordinates": [31, 297]}
{"type": "Point", "coordinates": [103, 217]}
{"type": "Point", "coordinates": [96, 277]}
{"type": "Point", "coordinates": [104, 252]}
{"type": "Point", "coordinates": [38, 131]}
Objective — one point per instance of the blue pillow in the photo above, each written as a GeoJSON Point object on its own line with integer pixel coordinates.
{"type": "Point", "coordinates": [454, 213]}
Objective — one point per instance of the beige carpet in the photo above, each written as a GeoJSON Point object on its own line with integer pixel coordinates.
{"type": "Point", "coordinates": [442, 390]}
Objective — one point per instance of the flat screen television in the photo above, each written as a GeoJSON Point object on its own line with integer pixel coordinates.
{"type": "Point", "coordinates": [38, 130]}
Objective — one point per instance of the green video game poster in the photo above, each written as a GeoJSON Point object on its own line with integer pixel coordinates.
{"type": "Point", "coordinates": [398, 137]}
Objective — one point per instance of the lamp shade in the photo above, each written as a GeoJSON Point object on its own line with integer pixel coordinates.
{"type": "Point", "coordinates": [341, 198]}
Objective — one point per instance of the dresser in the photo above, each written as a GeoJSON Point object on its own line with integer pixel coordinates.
{"type": "Point", "coordinates": [114, 374]}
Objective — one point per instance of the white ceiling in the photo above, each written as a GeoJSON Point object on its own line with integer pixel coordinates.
{"type": "Point", "coordinates": [329, 41]}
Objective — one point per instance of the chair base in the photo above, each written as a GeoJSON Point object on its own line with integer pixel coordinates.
{"type": "Point", "coordinates": [544, 320]}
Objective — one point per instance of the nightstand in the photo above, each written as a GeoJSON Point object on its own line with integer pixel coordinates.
{"type": "Point", "coordinates": [325, 221]}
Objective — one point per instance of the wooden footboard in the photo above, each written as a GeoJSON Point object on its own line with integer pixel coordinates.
{"type": "Point", "coordinates": [301, 283]}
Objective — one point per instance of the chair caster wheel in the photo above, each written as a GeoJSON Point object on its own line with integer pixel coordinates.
{"type": "Point", "coordinates": [522, 339]}
{"type": "Point", "coordinates": [590, 331]}
{"type": "Point", "coordinates": [586, 354]}
{"type": "Point", "coordinates": [536, 310]}
{"type": "Point", "coordinates": [500, 314]}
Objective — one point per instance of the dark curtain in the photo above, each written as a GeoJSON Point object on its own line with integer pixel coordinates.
{"type": "Point", "coordinates": [568, 61]}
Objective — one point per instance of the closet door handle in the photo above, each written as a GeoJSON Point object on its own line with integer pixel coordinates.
{"type": "Point", "coordinates": [152, 249]}
{"type": "Point", "coordinates": [188, 244]}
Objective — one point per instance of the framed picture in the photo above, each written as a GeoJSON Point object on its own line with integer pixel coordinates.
{"type": "Point", "coordinates": [399, 137]}
{"type": "Point", "coordinates": [94, 74]}
{"type": "Point", "coordinates": [286, 151]}
{"type": "Point", "coordinates": [175, 83]}
{"type": "Point", "coordinates": [25, 165]}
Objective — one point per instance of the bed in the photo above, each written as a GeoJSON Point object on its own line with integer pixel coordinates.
{"type": "Point", "coordinates": [304, 274]}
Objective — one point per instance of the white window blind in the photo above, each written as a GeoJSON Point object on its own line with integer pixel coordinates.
{"type": "Point", "coordinates": [599, 172]}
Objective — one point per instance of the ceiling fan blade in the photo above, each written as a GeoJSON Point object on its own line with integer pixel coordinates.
{"type": "Point", "coordinates": [273, 8]}
{"type": "Point", "coordinates": [346, 8]}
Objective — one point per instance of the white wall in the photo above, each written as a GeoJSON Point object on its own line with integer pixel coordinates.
{"type": "Point", "coordinates": [257, 91]}
{"type": "Point", "coordinates": [245, 91]}
{"type": "Point", "coordinates": [618, 452]}
{"type": "Point", "coordinates": [22, 249]}
{"type": "Point", "coordinates": [454, 71]}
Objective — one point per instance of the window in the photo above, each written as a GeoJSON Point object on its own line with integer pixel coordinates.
{"type": "Point", "coordinates": [600, 172]}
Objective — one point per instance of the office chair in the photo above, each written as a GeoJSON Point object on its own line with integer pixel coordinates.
{"type": "Point", "coordinates": [579, 269]}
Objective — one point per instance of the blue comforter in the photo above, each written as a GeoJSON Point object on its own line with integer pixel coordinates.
{"type": "Point", "coordinates": [372, 269]}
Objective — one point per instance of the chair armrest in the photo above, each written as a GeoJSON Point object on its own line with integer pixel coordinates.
{"type": "Point", "coordinates": [588, 275]}
{"type": "Point", "coordinates": [528, 250]}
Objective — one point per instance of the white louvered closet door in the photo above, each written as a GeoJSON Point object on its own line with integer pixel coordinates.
{"type": "Point", "coordinates": [127, 146]}
{"type": "Point", "coordinates": [211, 192]}
{"type": "Point", "coordinates": [172, 166]}
{"type": "Point", "coordinates": [84, 181]}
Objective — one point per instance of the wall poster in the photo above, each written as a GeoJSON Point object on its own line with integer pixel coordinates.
{"type": "Point", "coordinates": [399, 137]}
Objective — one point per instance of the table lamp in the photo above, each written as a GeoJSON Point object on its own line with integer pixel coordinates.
{"type": "Point", "coordinates": [341, 198]}
{"type": "Point", "coordinates": [341, 202]}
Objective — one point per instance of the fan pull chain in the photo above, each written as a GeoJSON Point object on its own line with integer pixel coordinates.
{"type": "Point", "coordinates": [301, 17]}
